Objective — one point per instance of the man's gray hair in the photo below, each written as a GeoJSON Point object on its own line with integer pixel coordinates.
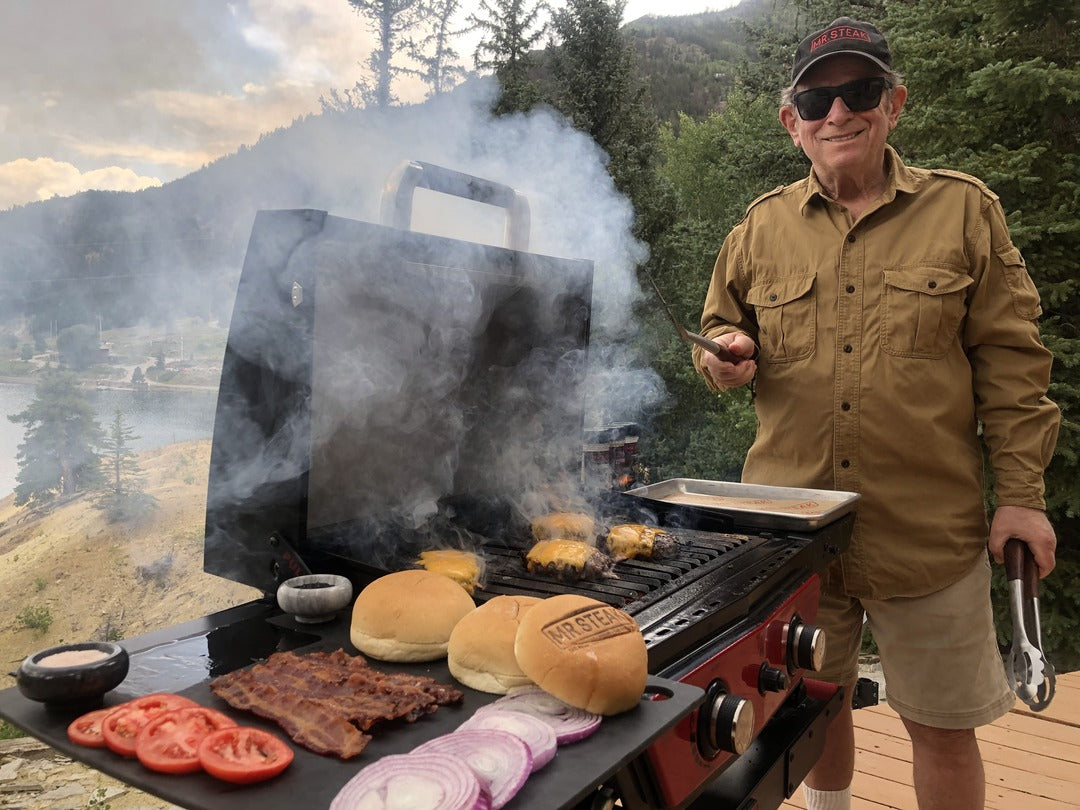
{"type": "Point", "coordinates": [891, 76]}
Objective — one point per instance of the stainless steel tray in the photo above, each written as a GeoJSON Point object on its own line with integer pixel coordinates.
{"type": "Point", "coordinates": [756, 505]}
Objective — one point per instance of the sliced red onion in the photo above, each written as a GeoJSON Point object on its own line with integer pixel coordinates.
{"type": "Point", "coordinates": [535, 733]}
{"type": "Point", "coordinates": [500, 760]}
{"type": "Point", "coordinates": [427, 781]}
{"type": "Point", "coordinates": [569, 723]}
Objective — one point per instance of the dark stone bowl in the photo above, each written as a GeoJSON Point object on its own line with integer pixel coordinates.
{"type": "Point", "coordinates": [74, 684]}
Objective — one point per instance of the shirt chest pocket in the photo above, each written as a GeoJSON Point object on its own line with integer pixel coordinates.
{"type": "Point", "coordinates": [787, 317]}
{"type": "Point", "coordinates": [924, 307]}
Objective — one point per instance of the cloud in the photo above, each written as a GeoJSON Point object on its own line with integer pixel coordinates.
{"type": "Point", "coordinates": [24, 180]}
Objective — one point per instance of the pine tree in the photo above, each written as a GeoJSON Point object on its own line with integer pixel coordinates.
{"type": "Point", "coordinates": [510, 30]}
{"type": "Point", "coordinates": [391, 21]}
{"type": "Point", "coordinates": [435, 53]}
{"type": "Point", "coordinates": [57, 456]}
{"type": "Point", "coordinates": [122, 494]}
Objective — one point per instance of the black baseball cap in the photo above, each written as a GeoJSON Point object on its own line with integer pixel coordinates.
{"type": "Point", "coordinates": [842, 35]}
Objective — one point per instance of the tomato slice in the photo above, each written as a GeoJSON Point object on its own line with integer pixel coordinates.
{"type": "Point", "coordinates": [170, 742]}
{"type": "Point", "coordinates": [244, 754]}
{"type": "Point", "coordinates": [122, 725]}
{"type": "Point", "coordinates": [86, 730]}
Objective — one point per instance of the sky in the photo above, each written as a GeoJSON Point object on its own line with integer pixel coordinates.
{"type": "Point", "coordinates": [123, 95]}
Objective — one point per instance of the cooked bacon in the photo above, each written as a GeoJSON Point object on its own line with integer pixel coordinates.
{"type": "Point", "coordinates": [324, 701]}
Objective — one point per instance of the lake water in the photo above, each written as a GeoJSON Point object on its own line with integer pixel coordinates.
{"type": "Point", "coordinates": [156, 418]}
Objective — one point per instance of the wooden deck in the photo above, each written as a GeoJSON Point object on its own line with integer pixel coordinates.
{"type": "Point", "coordinates": [1032, 759]}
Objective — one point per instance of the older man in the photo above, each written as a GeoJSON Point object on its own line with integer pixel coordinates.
{"type": "Point", "coordinates": [889, 325]}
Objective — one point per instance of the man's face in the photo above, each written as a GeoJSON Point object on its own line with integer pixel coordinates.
{"type": "Point", "coordinates": [844, 143]}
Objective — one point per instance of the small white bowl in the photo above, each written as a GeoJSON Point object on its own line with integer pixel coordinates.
{"type": "Point", "coordinates": [314, 598]}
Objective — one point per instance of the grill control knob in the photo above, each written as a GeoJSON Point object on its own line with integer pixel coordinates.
{"type": "Point", "coordinates": [725, 722]}
{"type": "Point", "coordinates": [806, 647]}
{"type": "Point", "coordinates": [771, 679]}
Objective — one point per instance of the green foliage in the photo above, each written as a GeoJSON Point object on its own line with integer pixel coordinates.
{"type": "Point", "coordinates": [98, 801]}
{"type": "Point", "coordinates": [57, 455]}
{"type": "Point", "coordinates": [509, 31]}
{"type": "Point", "coordinates": [10, 732]}
{"type": "Point", "coordinates": [391, 22]}
{"type": "Point", "coordinates": [37, 617]}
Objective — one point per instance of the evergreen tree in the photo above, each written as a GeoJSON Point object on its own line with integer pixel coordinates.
{"type": "Point", "coordinates": [391, 21]}
{"type": "Point", "coordinates": [122, 494]}
{"type": "Point", "coordinates": [510, 30]}
{"type": "Point", "coordinates": [595, 85]}
{"type": "Point", "coordinates": [57, 456]}
{"type": "Point", "coordinates": [435, 53]}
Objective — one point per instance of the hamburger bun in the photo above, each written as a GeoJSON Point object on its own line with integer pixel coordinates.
{"type": "Point", "coordinates": [481, 649]}
{"type": "Point", "coordinates": [584, 652]}
{"type": "Point", "coordinates": [564, 526]}
{"type": "Point", "coordinates": [408, 615]}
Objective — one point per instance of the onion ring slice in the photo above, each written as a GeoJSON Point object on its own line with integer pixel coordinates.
{"type": "Point", "coordinates": [424, 781]}
{"type": "Point", "coordinates": [535, 733]}
{"type": "Point", "coordinates": [500, 760]}
{"type": "Point", "coordinates": [569, 723]}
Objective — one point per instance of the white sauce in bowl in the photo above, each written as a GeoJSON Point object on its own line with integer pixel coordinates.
{"type": "Point", "coordinates": [73, 658]}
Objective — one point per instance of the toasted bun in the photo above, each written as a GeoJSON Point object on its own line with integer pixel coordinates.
{"type": "Point", "coordinates": [584, 652]}
{"type": "Point", "coordinates": [481, 650]}
{"type": "Point", "coordinates": [564, 526]}
{"type": "Point", "coordinates": [408, 616]}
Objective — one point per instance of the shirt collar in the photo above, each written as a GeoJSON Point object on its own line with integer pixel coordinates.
{"type": "Point", "coordinates": [899, 178]}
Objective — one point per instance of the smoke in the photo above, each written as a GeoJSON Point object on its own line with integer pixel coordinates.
{"type": "Point", "coordinates": [433, 375]}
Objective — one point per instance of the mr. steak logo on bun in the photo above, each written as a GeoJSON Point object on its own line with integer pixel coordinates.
{"type": "Point", "coordinates": [588, 626]}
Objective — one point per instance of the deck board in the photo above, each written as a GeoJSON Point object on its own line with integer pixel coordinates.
{"type": "Point", "coordinates": [1032, 759]}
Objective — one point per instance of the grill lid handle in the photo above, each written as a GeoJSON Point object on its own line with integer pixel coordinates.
{"type": "Point", "coordinates": [397, 197]}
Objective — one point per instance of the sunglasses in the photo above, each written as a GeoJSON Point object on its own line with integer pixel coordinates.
{"type": "Point", "coordinates": [859, 96]}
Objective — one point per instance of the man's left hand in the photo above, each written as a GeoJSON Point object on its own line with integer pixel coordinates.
{"type": "Point", "coordinates": [1026, 524]}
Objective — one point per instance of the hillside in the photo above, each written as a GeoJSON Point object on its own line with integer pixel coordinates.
{"type": "Point", "coordinates": [95, 580]}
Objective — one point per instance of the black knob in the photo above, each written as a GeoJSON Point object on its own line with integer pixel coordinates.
{"type": "Point", "coordinates": [806, 647]}
{"type": "Point", "coordinates": [771, 679]}
{"type": "Point", "coordinates": [725, 722]}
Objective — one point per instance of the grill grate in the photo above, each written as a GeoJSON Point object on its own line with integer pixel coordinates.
{"type": "Point", "coordinates": [637, 583]}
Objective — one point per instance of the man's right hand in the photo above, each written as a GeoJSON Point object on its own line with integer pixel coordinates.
{"type": "Point", "coordinates": [732, 375]}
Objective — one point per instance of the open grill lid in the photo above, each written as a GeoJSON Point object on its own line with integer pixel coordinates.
{"type": "Point", "coordinates": [371, 372]}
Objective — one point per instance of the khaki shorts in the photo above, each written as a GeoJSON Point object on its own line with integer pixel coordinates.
{"type": "Point", "coordinates": [939, 652]}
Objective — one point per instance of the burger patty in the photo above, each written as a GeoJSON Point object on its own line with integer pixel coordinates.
{"type": "Point", "coordinates": [635, 540]}
{"type": "Point", "coordinates": [569, 560]}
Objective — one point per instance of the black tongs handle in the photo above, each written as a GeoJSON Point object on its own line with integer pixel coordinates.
{"type": "Point", "coordinates": [1020, 564]}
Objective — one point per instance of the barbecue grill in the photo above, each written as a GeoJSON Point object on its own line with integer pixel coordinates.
{"type": "Point", "coordinates": [385, 391]}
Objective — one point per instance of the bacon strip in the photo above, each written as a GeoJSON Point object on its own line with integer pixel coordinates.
{"type": "Point", "coordinates": [325, 701]}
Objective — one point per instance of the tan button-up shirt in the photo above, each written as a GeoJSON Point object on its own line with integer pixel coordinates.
{"type": "Point", "coordinates": [887, 346]}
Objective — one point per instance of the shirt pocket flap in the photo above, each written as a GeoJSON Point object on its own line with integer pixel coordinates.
{"type": "Point", "coordinates": [779, 292]}
{"type": "Point", "coordinates": [1025, 296]}
{"type": "Point", "coordinates": [927, 280]}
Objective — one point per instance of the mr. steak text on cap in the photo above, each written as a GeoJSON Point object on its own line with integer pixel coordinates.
{"type": "Point", "coordinates": [843, 35]}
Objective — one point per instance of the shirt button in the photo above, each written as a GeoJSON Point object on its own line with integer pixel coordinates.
{"type": "Point", "coordinates": [845, 463]}
{"type": "Point", "coordinates": [774, 296]}
{"type": "Point", "coordinates": [851, 237]}
{"type": "Point", "coordinates": [847, 349]}
{"type": "Point", "coordinates": [850, 288]}
{"type": "Point", "coordinates": [932, 285]}
{"type": "Point", "coordinates": [845, 406]}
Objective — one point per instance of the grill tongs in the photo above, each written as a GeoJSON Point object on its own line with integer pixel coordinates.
{"type": "Point", "coordinates": [694, 338]}
{"type": "Point", "coordinates": [1030, 674]}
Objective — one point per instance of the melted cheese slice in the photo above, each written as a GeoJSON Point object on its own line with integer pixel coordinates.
{"type": "Point", "coordinates": [561, 553]}
{"type": "Point", "coordinates": [461, 566]}
{"type": "Point", "coordinates": [630, 540]}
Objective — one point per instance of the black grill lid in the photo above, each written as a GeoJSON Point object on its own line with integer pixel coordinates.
{"type": "Point", "coordinates": [371, 372]}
